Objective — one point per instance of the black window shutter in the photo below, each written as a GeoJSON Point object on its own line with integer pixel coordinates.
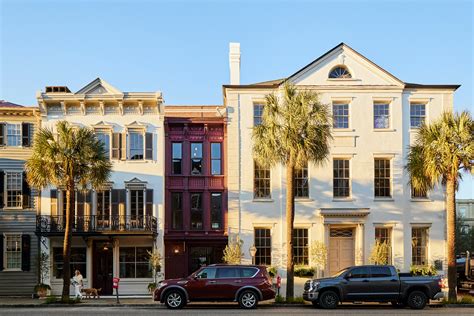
{"type": "Point", "coordinates": [2, 187]}
{"type": "Point", "coordinates": [115, 202]}
{"type": "Point", "coordinates": [25, 252]}
{"type": "Point", "coordinates": [2, 134]}
{"type": "Point", "coordinates": [1, 251]}
{"type": "Point", "coordinates": [26, 192]}
{"type": "Point", "coordinates": [25, 134]}
{"type": "Point", "coordinates": [149, 202]}
{"type": "Point", "coordinates": [149, 146]}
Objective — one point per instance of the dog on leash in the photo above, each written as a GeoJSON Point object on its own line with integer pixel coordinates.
{"type": "Point", "coordinates": [89, 293]}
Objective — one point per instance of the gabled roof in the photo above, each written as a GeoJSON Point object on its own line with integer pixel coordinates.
{"type": "Point", "coordinates": [276, 83]}
{"type": "Point", "coordinates": [96, 84]}
{"type": "Point", "coordinates": [6, 104]}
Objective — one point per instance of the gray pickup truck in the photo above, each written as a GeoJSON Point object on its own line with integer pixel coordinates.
{"type": "Point", "coordinates": [373, 283]}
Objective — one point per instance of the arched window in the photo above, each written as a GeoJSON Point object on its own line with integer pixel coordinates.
{"type": "Point", "coordinates": [340, 72]}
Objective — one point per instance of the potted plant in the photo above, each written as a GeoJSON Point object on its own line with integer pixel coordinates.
{"type": "Point", "coordinates": [42, 289]}
{"type": "Point", "coordinates": [155, 263]}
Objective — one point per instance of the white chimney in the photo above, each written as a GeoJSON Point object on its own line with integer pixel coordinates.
{"type": "Point", "coordinates": [234, 63]}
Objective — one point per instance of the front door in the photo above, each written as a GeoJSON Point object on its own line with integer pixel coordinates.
{"type": "Point", "coordinates": [102, 266]}
{"type": "Point", "coordinates": [341, 249]}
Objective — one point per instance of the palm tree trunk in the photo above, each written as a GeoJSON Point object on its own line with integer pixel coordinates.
{"type": "Point", "coordinates": [290, 217]}
{"type": "Point", "coordinates": [70, 201]}
{"type": "Point", "coordinates": [451, 236]}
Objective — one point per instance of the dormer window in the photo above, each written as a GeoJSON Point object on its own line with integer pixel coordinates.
{"type": "Point", "coordinates": [340, 72]}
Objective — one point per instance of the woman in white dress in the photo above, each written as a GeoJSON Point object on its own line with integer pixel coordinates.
{"type": "Point", "coordinates": [77, 282]}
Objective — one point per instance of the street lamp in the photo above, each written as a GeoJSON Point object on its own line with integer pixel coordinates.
{"type": "Point", "coordinates": [253, 251]}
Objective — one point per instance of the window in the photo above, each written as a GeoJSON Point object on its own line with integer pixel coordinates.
{"type": "Point", "coordinates": [103, 208]}
{"type": "Point", "coordinates": [248, 272]}
{"type": "Point", "coordinates": [359, 273]}
{"type": "Point", "coordinates": [177, 156]}
{"type": "Point", "coordinates": [136, 204]}
{"type": "Point", "coordinates": [77, 261]}
{"type": "Point", "coordinates": [207, 273]}
{"type": "Point", "coordinates": [216, 210]}
{"type": "Point", "coordinates": [196, 211]}
{"type": "Point", "coordinates": [417, 114]}
{"type": "Point", "coordinates": [340, 115]}
{"type": "Point", "coordinates": [382, 183]}
{"type": "Point", "coordinates": [380, 272]}
{"type": "Point", "coordinates": [384, 235]}
{"type": "Point", "coordinates": [419, 246]}
{"type": "Point", "coordinates": [301, 182]}
{"type": "Point", "coordinates": [341, 178]}
{"type": "Point", "coordinates": [257, 114]}
{"type": "Point", "coordinates": [136, 145]}
{"type": "Point", "coordinates": [226, 273]}
{"type": "Point", "coordinates": [261, 182]}
{"type": "Point", "coordinates": [263, 243]}
{"type": "Point", "coordinates": [177, 211]}
{"type": "Point", "coordinates": [340, 72]}
{"type": "Point", "coordinates": [134, 262]}
{"type": "Point", "coordinates": [14, 189]}
{"type": "Point", "coordinates": [216, 154]}
{"type": "Point", "coordinates": [300, 246]}
{"type": "Point", "coordinates": [381, 115]}
{"type": "Point", "coordinates": [12, 251]}
{"type": "Point", "coordinates": [196, 158]}
{"type": "Point", "coordinates": [462, 212]}
{"type": "Point", "coordinates": [418, 193]}
{"type": "Point", "coordinates": [104, 138]}
{"type": "Point", "coordinates": [14, 134]}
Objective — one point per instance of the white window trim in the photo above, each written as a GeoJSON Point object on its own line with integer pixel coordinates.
{"type": "Point", "coordinates": [5, 190]}
{"type": "Point", "coordinates": [343, 157]}
{"type": "Point", "coordinates": [5, 259]}
{"type": "Point", "coordinates": [389, 157]}
{"type": "Point", "coordinates": [263, 199]}
{"type": "Point", "coordinates": [390, 114]}
{"type": "Point", "coordinates": [107, 131]}
{"type": "Point", "coordinates": [390, 227]}
{"type": "Point", "coordinates": [426, 102]}
{"type": "Point", "coordinates": [141, 130]}
{"type": "Point", "coordinates": [347, 101]}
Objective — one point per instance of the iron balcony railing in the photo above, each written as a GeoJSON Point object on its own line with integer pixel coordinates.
{"type": "Point", "coordinates": [97, 223]}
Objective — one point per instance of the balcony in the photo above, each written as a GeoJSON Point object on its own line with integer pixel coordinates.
{"type": "Point", "coordinates": [97, 225]}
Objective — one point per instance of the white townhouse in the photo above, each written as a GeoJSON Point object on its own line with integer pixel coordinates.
{"type": "Point", "coordinates": [115, 225]}
{"type": "Point", "coordinates": [362, 193]}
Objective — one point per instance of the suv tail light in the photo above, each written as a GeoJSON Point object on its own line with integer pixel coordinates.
{"type": "Point", "coordinates": [442, 283]}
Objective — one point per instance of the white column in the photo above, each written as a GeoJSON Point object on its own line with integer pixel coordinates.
{"type": "Point", "coordinates": [326, 232]}
{"type": "Point", "coordinates": [89, 256]}
{"type": "Point", "coordinates": [116, 256]}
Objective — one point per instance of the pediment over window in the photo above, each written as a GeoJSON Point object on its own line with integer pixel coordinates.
{"type": "Point", "coordinates": [135, 183]}
{"type": "Point", "coordinates": [102, 125]}
{"type": "Point", "coordinates": [99, 87]}
{"type": "Point", "coordinates": [136, 125]}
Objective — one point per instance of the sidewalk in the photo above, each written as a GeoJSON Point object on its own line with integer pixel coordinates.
{"type": "Point", "coordinates": [30, 302]}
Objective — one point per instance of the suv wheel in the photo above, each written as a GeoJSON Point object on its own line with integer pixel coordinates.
{"type": "Point", "coordinates": [417, 300]}
{"type": "Point", "coordinates": [329, 300]}
{"type": "Point", "coordinates": [175, 299]}
{"type": "Point", "coordinates": [248, 299]}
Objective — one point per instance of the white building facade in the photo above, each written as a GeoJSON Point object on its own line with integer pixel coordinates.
{"type": "Point", "coordinates": [114, 226]}
{"type": "Point", "coordinates": [362, 193]}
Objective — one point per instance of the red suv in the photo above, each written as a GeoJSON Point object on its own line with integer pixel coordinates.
{"type": "Point", "coordinates": [246, 284]}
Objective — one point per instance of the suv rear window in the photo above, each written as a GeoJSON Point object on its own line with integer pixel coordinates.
{"type": "Point", "coordinates": [223, 273]}
{"type": "Point", "coordinates": [380, 272]}
{"type": "Point", "coordinates": [248, 272]}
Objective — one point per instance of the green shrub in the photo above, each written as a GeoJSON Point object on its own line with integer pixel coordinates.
{"type": "Point", "coordinates": [279, 299]}
{"type": "Point", "coordinates": [51, 299]}
{"type": "Point", "coordinates": [272, 271]}
{"type": "Point", "coordinates": [428, 270]}
{"type": "Point", "coordinates": [466, 300]}
{"type": "Point", "coordinates": [303, 271]}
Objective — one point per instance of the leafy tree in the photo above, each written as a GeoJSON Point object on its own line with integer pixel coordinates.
{"type": "Point", "coordinates": [379, 253]}
{"type": "Point", "coordinates": [442, 151]}
{"type": "Point", "coordinates": [233, 251]}
{"type": "Point", "coordinates": [319, 255]}
{"type": "Point", "coordinates": [70, 159]}
{"type": "Point", "coordinates": [295, 130]}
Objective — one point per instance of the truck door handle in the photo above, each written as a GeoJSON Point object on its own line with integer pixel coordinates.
{"type": "Point", "coordinates": [212, 282]}
{"type": "Point", "coordinates": [365, 280]}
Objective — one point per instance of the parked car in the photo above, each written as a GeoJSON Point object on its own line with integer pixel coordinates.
{"type": "Point", "coordinates": [245, 284]}
{"type": "Point", "coordinates": [372, 283]}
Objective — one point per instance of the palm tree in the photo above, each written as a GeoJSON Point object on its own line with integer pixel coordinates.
{"type": "Point", "coordinates": [441, 152]}
{"type": "Point", "coordinates": [74, 158]}
{"type": "Point", "coordinates": [295, 130]}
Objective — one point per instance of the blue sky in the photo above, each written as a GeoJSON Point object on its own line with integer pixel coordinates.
{"type": "Point", "coordinates": [181, 47]}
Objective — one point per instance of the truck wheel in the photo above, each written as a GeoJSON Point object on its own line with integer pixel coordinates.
{"type": "Point", "coordinates": [175, 299]}
{"type": "Point", "coordinates": [248, 299]}
{"type": "Point", "coordinates": [417, 300]}
{"type": "Point", "coordinates": [329, 300]}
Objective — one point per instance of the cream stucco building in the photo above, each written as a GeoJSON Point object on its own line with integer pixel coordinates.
{"type": "Point", "coordinates": [362, 192]}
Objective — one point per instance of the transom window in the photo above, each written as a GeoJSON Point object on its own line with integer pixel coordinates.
{"type": "Point", "coordinates": [300, 246]}
{"type": "Point", "coordinates": [263, 243]}
{"type": "Point", "coordinates": [196, 158]}
{"type": "Point", "coordinates": [381, 115]}
{"type": "Point", "coordinates": [257, 113]}
{"type": "Point", "coordinates": [341, 178]}
{"type": "Point", "coordinates": [14, 134]}
{"type": "Point", "coordinates": [419, 246]}
{"type": "Point", "coordinates": [382, 181]}
{"type": "Point", "coordinates": [177, 156]}
{"type": "Point", "coordinates": [384, 235]}
{"type": "Point", "coordinates": [301, 182]}
{"type": "Point", "coordinates": [13, 251]}
{"type": "Point", "coordinates": [136, 145]}
{"type": "Point", "coordinates": [14, 189]}
{"type": "Point", "coordinates": [417, 114]}
{"type": "Point", "coordinates": [261, 182]}
{"type": "Point", "coordinates": [340, 72]}
{"type": "Point", "coordinates": [340, 115]}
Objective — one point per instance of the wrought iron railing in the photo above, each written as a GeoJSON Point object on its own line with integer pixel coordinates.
{"type": "Point", "coordinates": [97, 223]}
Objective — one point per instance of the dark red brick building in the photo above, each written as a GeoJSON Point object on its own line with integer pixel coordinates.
{"type": "Point", "coordinates": [195, 231]}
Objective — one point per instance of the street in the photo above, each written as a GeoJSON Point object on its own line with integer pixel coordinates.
{"type": "Point", "coordinates": [232, 310]}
